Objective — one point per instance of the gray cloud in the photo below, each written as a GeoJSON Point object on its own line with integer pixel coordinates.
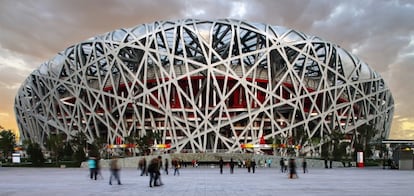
{"type": "Point", "coordinates": [380, 32]}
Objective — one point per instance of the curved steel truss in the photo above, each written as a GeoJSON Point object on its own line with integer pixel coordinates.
{"type": "Point", "coordinates": [203, 86]}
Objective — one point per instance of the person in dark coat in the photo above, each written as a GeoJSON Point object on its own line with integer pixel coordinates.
{"type": "Point", "coordinates": [142, 165]}
{"type": "Point", "coordinates": [253, 164]}
{"type": "Point", "coordinates": [154, 171]}
{"type": "Point", "coordinates": [304, 166]}
{"type": "Point", "coordinates": [221, 164]}
{"type": "Point", "coordinates": [231, 166]}
{"type": "Point", "coordinates": [292, 169]}
{"type": "Point", "coordinates": [282, 165]}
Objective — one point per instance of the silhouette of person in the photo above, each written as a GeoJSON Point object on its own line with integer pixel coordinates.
{"type": "Point", "coordinates": [304, 166]}
{"type": "Point", "coordinates": [221, 164]}
{"type": "Point", "coordinates": [253, 164]}
{"type": "Point", "coordinates": [231, 166]}
{"type": "Point", "coordinates": [154, 171]}
{"type": "Point", "coordinates": [142, 165]}
{"type": "Point", "coordinates": [292, 169]}
{"type": "Point", "coordinates": [166, 166]}
{"type": "Point", "coordinates": [282, 165]}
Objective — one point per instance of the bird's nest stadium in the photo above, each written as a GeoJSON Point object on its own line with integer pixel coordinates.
{"type": "Point", "coordinates": [205, 86]}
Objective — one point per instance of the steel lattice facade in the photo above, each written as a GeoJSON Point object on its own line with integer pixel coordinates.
{"type": "Point", "coordinates": [204, 86]}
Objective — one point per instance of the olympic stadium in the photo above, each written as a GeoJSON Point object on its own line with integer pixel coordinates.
{"type": "Point", "coordinates": [205, 86]}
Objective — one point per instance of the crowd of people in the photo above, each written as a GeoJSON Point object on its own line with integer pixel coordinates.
{"type": "Point", "coordinates": [153, 168]}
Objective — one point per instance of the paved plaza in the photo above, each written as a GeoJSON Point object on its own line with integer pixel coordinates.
{"type": "Point", "coordinates": [208, 181]}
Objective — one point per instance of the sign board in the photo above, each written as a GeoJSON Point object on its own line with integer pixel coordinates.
{"type": "Point", "coordinates": [16, 158]}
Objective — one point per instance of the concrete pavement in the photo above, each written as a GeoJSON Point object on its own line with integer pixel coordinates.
{"type": "Point", "coordinates": [208, 181]}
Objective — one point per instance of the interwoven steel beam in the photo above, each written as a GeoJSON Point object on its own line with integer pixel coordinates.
{"type": "Point", "coordinates": [204, 86]}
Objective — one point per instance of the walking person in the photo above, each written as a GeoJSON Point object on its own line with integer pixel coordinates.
{"type": "Point", "coordinates": [152, 167]}
{"type": "Point", "coordinates": [221, 164]}
{"type": "Point", "coordinates": [166, 166]}
{"type": "Point", "coordinates": [282, 165]}
{"type": "Point", "coordinates": [158, 174]}
{"type": "Point", "coordinates": [286, 165]}
{"type": "Point", "coordinates": [292, 169]}
{"type": "Point", "coordinates": [176, 165]}
{"type": "Point", "coordinates": [92, 168]}
{"type": "Point", "coordinates": [269, 162]}
{"type": "Point", "coordinates": [114, 169]}
{"type": "Point", "coordinates": [304, 166]}
{"type": "Point", "coordinates": [231, 166]}
{"type": "Point", "coordinates": [154, 172]}
{"type": "Point", "coordinates": [248, 165]}
{"type": "Point", "coordinates": [98, 168]}
{"type": "Point", "coordinates": [142, 165]}
{"type": "Point", "coordinates": [253, 164]}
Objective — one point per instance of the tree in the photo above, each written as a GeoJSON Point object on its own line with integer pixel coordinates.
{"type": "Point", "coordinates": [146, 141]}
{"type": "Point", "coordinates": [56, 144]}
{"type": "Point", "coordinates": [78, 143]}
{"type": "Point", "coordinates": [67, 151]}
{"type": "Point", "coordinates": [325, 150]}
{"type": "Point", "coordinates": [363, 138]}
{"type": "Point", "coordinates": [93, 150]}
{"type": "Point", "coordinates": [7, 142]}
{"type": "Point", "coordinates": [339, 148]}
{"type": "Point", "coordinates": [35, 154]}
{"type": "Point", "coordinates": [96, 149]}
{"type": "Point", "coordinates": [79, 155]}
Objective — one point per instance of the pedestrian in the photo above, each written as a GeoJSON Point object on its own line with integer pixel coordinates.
{"type": "Point", "coordinates": [221, 164]}
{"type": "Point", "coordinates": [269, 162]}
{"type": "Point", "coordinates": [154, 171]}
{"type": "Point", "coordinates": [248, 165]}
{"type": "Point", "coordinates": [253, 164]}
{"type": "Point", "coordinates": [282, 165]}
{"type": "Point", "coordinates": [292, 169]}
{"type": "Point", "coordinates": [304, 166]}
{"type": "Point", "coordinates": [286, 164]}
{"type": "Point", "coordinates": [231, 166]}
{"type": "Point", "coordinates": [98, 168]}
{"type": "Point", "coordinates": [142, 165]}
{"type": "Point", "coordinates": [166, 166]}
{"type": "Point", "coordinates": [177, 166]}
{"type": "Point", "coordinates": [158, 174]}
{"type": "Point", "coordinates": [92, 168]}
{"type": "Point", "coordinates": [114, 169]}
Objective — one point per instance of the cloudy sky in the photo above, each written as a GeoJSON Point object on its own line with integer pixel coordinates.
{"type": "Point", "coordinates": [380, 32]}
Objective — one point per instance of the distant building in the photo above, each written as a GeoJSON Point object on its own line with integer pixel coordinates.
{"type": "Point", "coordinates": [205, 86]}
